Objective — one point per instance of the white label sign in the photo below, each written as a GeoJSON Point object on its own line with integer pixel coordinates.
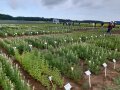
{"type": "Point", "coordinates": [104, 65]}
{"type": "Point", "coordinates": [114, 63]}
{"type": "Point", "coordinates": [114, 60]}
{"type": "Point", "coordinates": [116, 49]}
{"type": "Point", "coordinates": [45, 43]}
{"type": "Point", "coordinates": [14, 47]}
{"type": "Point", "coordinates": [88, 72]}
{"type": "Point", "coordinates": [72, 68]}
{"type": "Point", "coordinates": [55, 42]}
{"type": "Point", "coordinates": [67, 86]}
{"type": "Point", "coordinates": [30, 45]}
{"type": "Point", "coordinates": [50, 78]}
{"type": "Point", "coordinates": [5, 34]}
{"type": "Point", "coordinates": [65, 40]}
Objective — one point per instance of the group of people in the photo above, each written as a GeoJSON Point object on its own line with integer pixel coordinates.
{"type": "Point", "coordinates": [111, 25]}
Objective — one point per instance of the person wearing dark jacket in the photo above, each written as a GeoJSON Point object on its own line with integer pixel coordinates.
{"type": "Point", "coordinates": [109, 28]}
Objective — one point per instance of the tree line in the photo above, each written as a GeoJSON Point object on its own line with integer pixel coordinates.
{"type": "Point", "coordinates": [9, 17]}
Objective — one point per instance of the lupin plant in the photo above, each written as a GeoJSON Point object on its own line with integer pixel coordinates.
{"type": "Point", "coordinates": [12, 79]}
{"type": "Point", "coordinates": [34, 62]}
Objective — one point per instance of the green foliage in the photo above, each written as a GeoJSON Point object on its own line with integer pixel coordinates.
{"type": "Point", "coordinates": [10, 76]}
{"type": "Point", "coordinates": [53, 55]}
{"type": "Point", "coordinates": [37, 66]}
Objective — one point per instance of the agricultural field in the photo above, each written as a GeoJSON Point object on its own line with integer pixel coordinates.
{"type": "Point", "coordinates": [13, 30]}
{"type": "Point", "coordinates": [35, 29]}
{"type": "Point", "coordinates": [50, 56]}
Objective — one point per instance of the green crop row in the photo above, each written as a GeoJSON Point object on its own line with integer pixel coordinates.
{"type": "Point", "coordinates": [37, 66]}
{"type": "Point", "coordinates": [40, 29]}
{"type": "Point", "coordinates": [64, 52]}
{"type": "Point", "coordinates": [108, 42]}
{"type": "Point", "coordinates": [10, 77]}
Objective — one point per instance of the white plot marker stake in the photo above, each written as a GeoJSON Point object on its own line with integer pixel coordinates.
{"type": "Point", "coordinates": [14, 48]}
{"type": "Point", "coordinates": [37, 32]}
{"type": "Point", "coordinates": [50, 78]}
{"type": "Point", "coordinates": [46, 44]}
{"type": "Point", "coordinates": [67, 86]}
{"type": "Point", "coordinates": [33, 88]}
{"type": "Point", "coordinates": [88, 73]}
{"type": "Point", "coordinates": [30, 47]}
{"type": "Point", "coordinates": [114, 61]}
{"type": "Point", "coordinates": [105, 66]}
{"type": "Point", "coordinates": [55, 43]}
{"type": "Point", "coordinates": [72, 68]}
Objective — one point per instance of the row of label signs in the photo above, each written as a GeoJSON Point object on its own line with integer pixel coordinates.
{"type": "Point", "coordinates": [88, 73]}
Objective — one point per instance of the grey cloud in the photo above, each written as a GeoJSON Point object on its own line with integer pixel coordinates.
{"type": "Point", "coordinates": [74, 3]}
{"type": "Point", "coordinates": [15, 4]}
{"type": "Point", "coordinates": [88, 3]}
{"type": "Point", "coordinates": [52, 2]}
{"type": "Point", "coordinates": [78, 3]}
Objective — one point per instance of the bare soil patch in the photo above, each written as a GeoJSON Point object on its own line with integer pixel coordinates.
{"type": "Point", "coordinates": [99, 82]}
{"type": "Point", "coordinates": [116, 32]}
{"type": "Point", "coordinates": [1, 88]}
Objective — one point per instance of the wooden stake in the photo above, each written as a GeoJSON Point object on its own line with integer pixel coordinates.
{"type": "Point", "coordinates": [114, 61]}
{"type": "Point", "coordinates": [105, 66]}
{"type": "Point", "coordinates": [105, 71]}
{"type": "Point", "coordinates": [89, 82]}
{"type": "Point", "coordinates": [88, 73]}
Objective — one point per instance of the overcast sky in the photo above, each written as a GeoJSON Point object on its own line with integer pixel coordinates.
{"type": "Point", "coordinates": [106, 10]}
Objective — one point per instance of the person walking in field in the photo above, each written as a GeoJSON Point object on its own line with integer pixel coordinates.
{"type": "Point", "coordinates": [109, 28]}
